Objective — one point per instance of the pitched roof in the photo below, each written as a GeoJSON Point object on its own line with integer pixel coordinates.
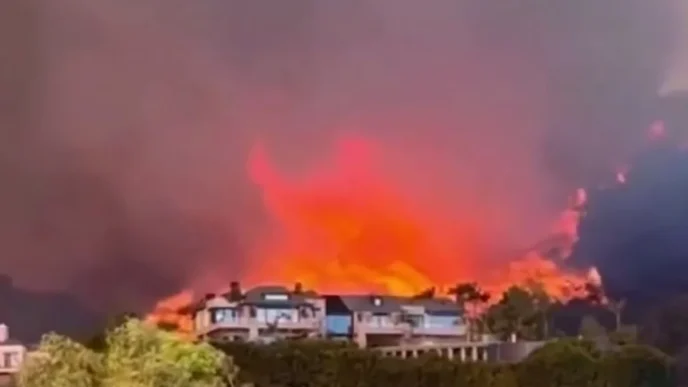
{"type": "Point", "coordinates": [372, 303]}
{"type": "Point", "coordinates": [269, 296]}
{"type": "Point", "coordinates": [438, 305]}
{"type": "Point", "coordinates": [390, 304]}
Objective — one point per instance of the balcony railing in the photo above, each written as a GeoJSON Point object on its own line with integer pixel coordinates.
{"type": "Point", "coordinates": [440, 330]}
{"type": "Point", "coordinates": [253, 323]}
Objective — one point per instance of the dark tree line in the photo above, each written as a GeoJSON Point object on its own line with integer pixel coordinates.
{"type": "Point", "coordinates": [564, 363]}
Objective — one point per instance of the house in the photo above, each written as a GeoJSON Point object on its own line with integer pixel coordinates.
{"type": "Point", "coordinates": [12, 352]}
{"type": "Point", "coordinates": [382, 321]}
{"type": "Point", "coordinates": [261, 314]}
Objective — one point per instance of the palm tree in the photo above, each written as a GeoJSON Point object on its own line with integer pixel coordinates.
{"type": "Point", "coordinates": [596, 295]}
{"type": "Point", "coordinates": [616, 307]}
{"type": "Point", "coordinates": [470, 295]}
{"type": "Point", "coordinates": [542, 304]}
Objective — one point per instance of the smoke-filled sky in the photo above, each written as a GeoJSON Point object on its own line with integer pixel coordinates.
{"type": "Point", "coordinates": [126, 125]}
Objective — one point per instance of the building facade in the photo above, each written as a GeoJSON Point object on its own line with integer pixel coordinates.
{"type": "Point", "coordinates": [395, 326]}
{"type": "Point", "coordinates": [382, 321]}
{"type": "Point", "coordinates": [271, 312]}
{"type": "Point", "coordinates": [12, 352]}
{"type": "Point", "coordinates": [262, 313]}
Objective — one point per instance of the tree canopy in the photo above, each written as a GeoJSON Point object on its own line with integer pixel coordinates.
{"type": "Point", "coordinates": [135, 355]}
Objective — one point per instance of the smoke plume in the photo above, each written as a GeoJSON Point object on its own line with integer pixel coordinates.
{"type": "Point", "coordinates": [635, 233]}
{"type": "Point", "coordinates": [127, 124]}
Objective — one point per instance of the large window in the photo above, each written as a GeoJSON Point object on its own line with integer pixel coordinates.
{"type": "Point", "coordinates": [10, 359]}
{"type": "Point", "coordinates": [220, 315]}
{"type": "Point", "coordinates": [272, 315]}
{"type": "Point", "coordinates": [381, 320]}
{"type": "Point", "coordinates": [432, 321]}
{"type": "Point", "coordinates": [276, 297]}
{"type": "Point", "coordinates": [338, 325]}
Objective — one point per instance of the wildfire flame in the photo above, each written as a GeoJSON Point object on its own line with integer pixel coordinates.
{"type": "Point", "coordinates": [348, 230]}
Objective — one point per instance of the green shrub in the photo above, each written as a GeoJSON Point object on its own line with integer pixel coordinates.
{"type": "Point", "coordinates": [564, 363]}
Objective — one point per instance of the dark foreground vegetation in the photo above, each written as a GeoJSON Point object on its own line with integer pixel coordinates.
{"type": "Point", "coordinates": [564, 363]}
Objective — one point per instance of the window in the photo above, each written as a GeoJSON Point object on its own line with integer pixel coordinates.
{"type": "Point", "coordinates": [15, 359]}
{"type": "Point", "coordinates": [381, 320]}
{"type": "Point", "coordinates": [415, 320]}
{"type": "Point", "coordinates": [10, 359]}
{"type": "Point", "coordinates": [377, 301]}
{"type": "Point", "coordinates": [272, 315]}
{"type": "Point", "coordinates": [276, 297]}
{"type": "Point", "coordinates": [338, 325]}
{"type": "Point", "coordinates": [433, 321]}
{"type": "Point", "coordinates": [220, 315]}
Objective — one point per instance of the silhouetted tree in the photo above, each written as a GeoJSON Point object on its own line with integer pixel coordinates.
{"type": "Point", "coordinates": [425, 294]}
{"type": "Point", "coordinates": [616, 307]}
{"type": "Point", "coordinates": [97, 341]}
{"type": "Point", "coordinates": [471, 298]}
{"type": "Point", "coordinates": [591, 329]}
{"type": "Point", "coordinates": [667, 326]}
{"type": "Point", "coordinates": [543, 304]}
{"type": "Point", "coordinates": [515, 313]}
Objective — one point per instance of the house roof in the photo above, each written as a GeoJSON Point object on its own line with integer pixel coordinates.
{"type": "Point", "coordinates": [438, 305]}
{"type": "Point", "coordinates": [388, 304]}
{"type": "Point", "coordinates": [269, 296]}
{"type": "Point", "coordinates": [11, 341]}
{"type": "Point", "coordinates": [367, 303]}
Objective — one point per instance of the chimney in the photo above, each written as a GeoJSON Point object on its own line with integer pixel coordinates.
{"type": "Point", "coordinates": [235, 293]}
{"type": "Point", "coordinates": [4, 333]}
{"type": "Point", "coordinates": [298, 288]}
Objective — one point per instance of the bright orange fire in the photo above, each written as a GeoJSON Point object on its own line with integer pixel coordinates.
{"type": "Point", "coordinates": [347, 229]}
{"type": "Point", "coordinates": [168, 311]}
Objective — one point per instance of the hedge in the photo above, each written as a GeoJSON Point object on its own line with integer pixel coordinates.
{"type": "Point", "coordinates": [567, 363]}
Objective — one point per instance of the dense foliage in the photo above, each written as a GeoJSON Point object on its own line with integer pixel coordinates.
{"type": "Point", "coordinates": [564, 363]}
{"type": "Point", "coordinates": [134, 355]}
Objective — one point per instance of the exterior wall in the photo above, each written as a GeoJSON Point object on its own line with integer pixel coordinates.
{"type": "Point", "coordinates": [11, 358]}
{"type": "Point", "coordinates": [370, 329]}
{"type": "Point", "coordinates": [225, 320]}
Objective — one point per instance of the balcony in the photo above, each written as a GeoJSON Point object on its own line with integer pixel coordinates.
{"type": "Point", "coordinates": [440, 330]}
{"type": "Point", "coordinates": [246, 323]}
{"type": "Point", "coordinates": [377, 327]}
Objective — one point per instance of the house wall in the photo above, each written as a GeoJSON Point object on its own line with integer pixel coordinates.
{"type": "Point", "coordinates": [11, 358]}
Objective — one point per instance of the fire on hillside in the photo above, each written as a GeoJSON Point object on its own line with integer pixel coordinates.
{"type": "Point", "coordinates": [349, 230]}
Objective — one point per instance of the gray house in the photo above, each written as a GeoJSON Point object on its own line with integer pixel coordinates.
{"type": "Point", "coordinates": [379, 320]}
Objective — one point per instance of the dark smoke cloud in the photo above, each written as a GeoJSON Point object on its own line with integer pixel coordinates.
{"type": "Point", "coordinates": [126, 124]}
{"type": "Point", "coordinates": [636, 233]}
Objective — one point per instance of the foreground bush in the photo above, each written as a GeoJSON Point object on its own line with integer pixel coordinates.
{"type": "Point", "coordinates": [135, 355]}
{"type": "Point", "coordinates": [566, 363]}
